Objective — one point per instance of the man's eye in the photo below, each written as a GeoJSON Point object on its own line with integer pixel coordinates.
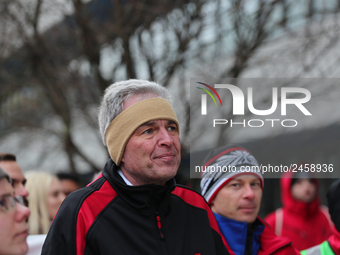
{"type": "Point", "coordinates": [256, 184]}
{"type": "Point", "coordinates": [148, 131]}
{"type": "Point", "coordinates": [15, 183]}
{"type": "Point", "coordinates": [172, 128]}
{"type": "Point", "coordinates": [235, 185]}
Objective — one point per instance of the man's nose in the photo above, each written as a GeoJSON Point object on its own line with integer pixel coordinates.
{"type": "Point", "coordinates": [21, 190]}
{"type": "Point", "coordinates": [248, 192]}
{"type": "Point", "coordinates": [164, 138]}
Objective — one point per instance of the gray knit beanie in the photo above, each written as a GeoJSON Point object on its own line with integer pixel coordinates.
{"type": "Point", "coordinates": [222, 165]}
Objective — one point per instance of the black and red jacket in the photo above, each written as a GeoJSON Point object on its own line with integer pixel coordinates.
{"type": "Point", "coordinates": [110, 217]}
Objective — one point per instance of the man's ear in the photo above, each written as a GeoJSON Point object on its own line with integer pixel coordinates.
{"type": "Point", "coordinates": [212, 204]}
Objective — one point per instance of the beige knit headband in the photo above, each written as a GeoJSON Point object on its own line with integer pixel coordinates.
{"type": "Point", "coordinates": [123, 126]}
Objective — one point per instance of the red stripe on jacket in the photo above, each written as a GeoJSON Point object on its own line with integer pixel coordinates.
{"type": "Point", "coordinates": [89, 210]}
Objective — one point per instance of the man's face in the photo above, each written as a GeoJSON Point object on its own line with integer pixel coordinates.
{"type": "Point", "coordinates": [239, 199]}
{"type": "Point", "coordinates": [304, 190]}
{"type": "Point", "coordinates": [18, 179]}
{"type": "Point", "coordinates": [152, 154]}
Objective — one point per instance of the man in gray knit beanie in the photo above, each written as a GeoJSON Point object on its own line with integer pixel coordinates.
{"type": "Point", "coordinates": [232, 184]}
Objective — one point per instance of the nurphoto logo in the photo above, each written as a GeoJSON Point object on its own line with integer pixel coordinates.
{"type": "Point", "coordinates": [238, 105]}
{"type": "Point", "coordinates": [204, 97]}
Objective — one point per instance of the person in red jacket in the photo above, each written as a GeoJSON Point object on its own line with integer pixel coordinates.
{"type": "Point", "coordinates": [332, 245]}
{"type": "Point", "coordinates": [301, 218]}
{"type": "Point", "coordinates": [233, 186]}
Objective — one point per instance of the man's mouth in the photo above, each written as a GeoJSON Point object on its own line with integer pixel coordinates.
{"type": "Point", "coordinates": [247, 208]}
{"type": "Point", "coordinates": [165, 156]}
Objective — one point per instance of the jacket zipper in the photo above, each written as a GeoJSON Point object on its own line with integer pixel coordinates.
{"type": "Point", "coordinates": [159, 225]}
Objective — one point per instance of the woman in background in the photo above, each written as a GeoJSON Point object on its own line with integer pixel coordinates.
{"type": "Point", "coordinates": [13, 216]}
{"type": "Point", "coordinates": [45, 197]}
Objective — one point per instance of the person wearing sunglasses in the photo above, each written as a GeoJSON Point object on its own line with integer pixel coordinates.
{"type": "Point", "coordinates": [8, 162]}
{"type": "Point", "coordinates": [13, 219]}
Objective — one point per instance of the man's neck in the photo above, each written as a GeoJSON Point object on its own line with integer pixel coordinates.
{"type": "Point", "coordinates": [130, 180]}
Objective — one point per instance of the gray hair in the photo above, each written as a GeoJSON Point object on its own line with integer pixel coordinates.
{"type": "Point", "coordinates": [116, 95]}
{"type": "Point", "coordinates": [3, 174]}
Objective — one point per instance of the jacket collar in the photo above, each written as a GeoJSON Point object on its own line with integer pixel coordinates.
{"type": "Point", "coordinates": [143, 198]}
{"type": "Point", "coordinates": [270, 242]}
{"type": "Point", "coordinates": [242, 237]}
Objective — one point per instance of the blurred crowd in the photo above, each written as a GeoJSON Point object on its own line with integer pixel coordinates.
{"type": "Point", "coordinates": [38, 195]}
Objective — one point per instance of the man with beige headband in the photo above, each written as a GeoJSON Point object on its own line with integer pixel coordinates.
{"type": "Point", "coordinates": [135, 206]}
